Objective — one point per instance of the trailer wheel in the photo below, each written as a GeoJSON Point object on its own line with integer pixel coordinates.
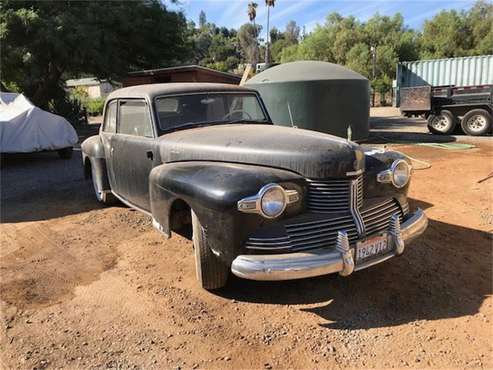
{"type": "Point", "coordinates": [443, 123]}
{"type": "Point", "coordinates": [476, 122]}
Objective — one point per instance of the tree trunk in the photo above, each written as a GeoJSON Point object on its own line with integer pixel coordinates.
{"type": "Point", "coordinates": [47, 89]}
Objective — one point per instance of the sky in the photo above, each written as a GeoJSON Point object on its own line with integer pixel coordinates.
{"type": "Point", "coordinates": [233, 13]}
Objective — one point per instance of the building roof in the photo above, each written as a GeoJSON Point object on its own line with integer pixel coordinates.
{"type": "Point", "coordinates": [152, 90]}
{"type": "Point", "coordinates": [88, 81]}
{"type": "Point", "coordinates": [192, 67]}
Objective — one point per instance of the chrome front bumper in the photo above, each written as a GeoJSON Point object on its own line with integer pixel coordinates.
{"type": "Point", "coordinates": [323, 261]}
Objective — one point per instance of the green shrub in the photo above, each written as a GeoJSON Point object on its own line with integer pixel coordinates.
{"type": "Point", "coordinates": [94, 107]}
{"type": "Point", "coordinates": [67, 107]}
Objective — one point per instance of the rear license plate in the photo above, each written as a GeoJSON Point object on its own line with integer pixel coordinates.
{"type": "Point", "coordinates": [372, 247]}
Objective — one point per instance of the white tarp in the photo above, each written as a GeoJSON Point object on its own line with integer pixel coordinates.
{"type": "Point", "coordinates": [25, 128]}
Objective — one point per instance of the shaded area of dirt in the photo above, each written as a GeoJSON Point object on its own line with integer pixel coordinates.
{"type": "Point", "coordinates": [93, 287]}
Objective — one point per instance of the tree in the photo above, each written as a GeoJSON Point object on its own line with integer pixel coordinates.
{"type": "Point", "coordinates": [446, 35]}
{"type": "Point", "coordinates": [480, 19]}
{"type": "Point", "coordinates": [44, 41]}
{"type": "Point", "coordinates": [275, 35]}
{"type": "Point", "coordinates": [252, 11]}
{"type": "Point", "coordinates": [292, 33]}
{"type": "Point", "coordinates": [202, 19]}
{"type": "Point", "coordinates": [452, 34]}
{"type": "Point", "coordinates": [346, 41]}
{"type": "Point", "coordinates": [247, 37]}
{"type": "Point", "coordinates": [282, 40]}
{"type": "Point", "coordinates": [268, 3]}
{"type": "Point", "coordinates": [252, 14]}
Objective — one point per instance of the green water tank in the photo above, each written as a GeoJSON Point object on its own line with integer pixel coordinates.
{"type": "Point", "coordinates": [318, 96]}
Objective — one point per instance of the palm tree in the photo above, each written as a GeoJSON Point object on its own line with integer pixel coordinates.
{"type": "Point", "coordinates": [252, 14]}
{"type": "Point", "coordinates": [252, 11]}
{"type": "Point", "coordinates": [269, 3]}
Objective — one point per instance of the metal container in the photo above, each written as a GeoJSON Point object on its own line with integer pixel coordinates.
{"type": "Point", "coordinates": [464, 71]}
{"type": "Point", "coordinates": [317, 96]}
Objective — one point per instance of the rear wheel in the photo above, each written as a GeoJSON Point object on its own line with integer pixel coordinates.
{"type": "Point", "coordinates": [65, 153]}
{"type": "Point", "coordinates": [443, 123]}
{"type": "Point", "coordinates": [212, 273]}
{"type": "Point", "coordinates": [476, 122]}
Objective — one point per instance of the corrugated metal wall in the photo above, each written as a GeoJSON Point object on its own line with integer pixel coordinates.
{"type": "Point", "coordinates": [465, 71]}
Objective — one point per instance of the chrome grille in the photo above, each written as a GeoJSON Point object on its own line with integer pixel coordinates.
{"type": "Point", "coordinates": [377, 218]}
{"type": "Point", "coordinates": [321, 233]}
{"type": "Point", "coordinates": [330, 196]}
{"type": "Point", "coordinates": [318, 233]}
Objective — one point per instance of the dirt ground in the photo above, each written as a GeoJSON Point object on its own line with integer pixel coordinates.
{"type": "Point", "coordinates": [84, 286]}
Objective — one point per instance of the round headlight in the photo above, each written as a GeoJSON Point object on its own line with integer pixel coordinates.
{"type": "Point", "coordinates": [273, 201]}
{"type": "Point", "coordinates": [401, 172]}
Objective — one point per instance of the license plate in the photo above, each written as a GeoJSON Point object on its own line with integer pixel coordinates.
{"type": "Point", "coordinates": [372, 247]}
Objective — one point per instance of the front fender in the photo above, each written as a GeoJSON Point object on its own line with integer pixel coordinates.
{"type": "Point", "coordinates": [375, 162]}
{"type": "Point", "coordinates": [212, 190]}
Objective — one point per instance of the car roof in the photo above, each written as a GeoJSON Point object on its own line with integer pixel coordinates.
{"type": "Point", "coordinates": [152, 90]}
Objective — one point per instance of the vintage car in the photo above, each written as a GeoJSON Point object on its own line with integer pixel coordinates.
{"type": "Point", "coordinates": [265, 202]}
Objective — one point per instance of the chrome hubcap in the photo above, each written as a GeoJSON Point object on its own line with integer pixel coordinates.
{"type": "Point", "coordinates": [440, 122]}
{"type": "Point", "coordinates": [476, 123]}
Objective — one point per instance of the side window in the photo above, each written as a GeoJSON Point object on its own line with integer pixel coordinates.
{"type": "Point", "coordinates": [110, 118]}
{"type": "Point", "coordinates": [134, 119]}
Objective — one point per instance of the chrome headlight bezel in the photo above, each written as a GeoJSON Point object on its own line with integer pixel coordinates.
{"type": "Point", "coordinates": [388, 176]}
{"type": "Point", "coordinates": [394, 167]}
{"type": "Point", "coordinates": [283, 198]}
{"type": "Point", "coordinates": [254, 203]}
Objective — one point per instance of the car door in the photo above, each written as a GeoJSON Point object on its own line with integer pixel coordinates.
{"type": "Point", "coordinates": [108, 132]}
{"type": "Point", "coordinates": [134, 152]}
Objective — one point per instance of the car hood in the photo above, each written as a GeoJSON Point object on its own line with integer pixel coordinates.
{"type": "Point", "coordinates": [308, 153]}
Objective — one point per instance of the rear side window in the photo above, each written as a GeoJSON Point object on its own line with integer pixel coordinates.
{"type": "Point", "coordinates": [110, 118]}
{"type": "Point", "coordinates": [134, 119]}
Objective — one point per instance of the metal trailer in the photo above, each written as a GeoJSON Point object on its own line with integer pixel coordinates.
{"type": "Point", "coordinates": [448, 92]}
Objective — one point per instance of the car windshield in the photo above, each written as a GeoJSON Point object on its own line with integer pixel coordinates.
{"type": "Point", "coordinates": [198, 109]}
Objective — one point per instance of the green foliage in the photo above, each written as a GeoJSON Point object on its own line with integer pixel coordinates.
{"type": "Point", "coordinates": [95, 107]}
{"type": "Point", "coordinates": [46, 42]}
{"type": "Point", "coordinates": [71, 109]}
{"type": "Point", "coordinates": [247, 37]}
{"type": "Point", "coordinates": [282, 40]}
{"type": "Point", "coordinates": [42, 41]}
{"type": "Point", "coordinates": [214, 47]}
{"type": "Point", "coordinates": [79, 93]}
{"type": "Point", "coordinates": [451, 33]}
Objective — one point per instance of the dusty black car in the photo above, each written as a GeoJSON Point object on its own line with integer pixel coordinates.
{"type": "Point", "coordinates": [265, 202]}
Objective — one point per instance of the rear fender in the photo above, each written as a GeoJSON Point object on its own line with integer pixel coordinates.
{"type": "Point", "coordinates": [94, 162]}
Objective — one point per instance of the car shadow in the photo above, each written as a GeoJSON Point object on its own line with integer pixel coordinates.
{"type": "Point", "coordinates": [445, 273]}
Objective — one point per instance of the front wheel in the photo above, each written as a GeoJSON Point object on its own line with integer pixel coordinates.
{"type": "Point", "coordinates": [212, 273]}
{"type": "Point", "coordinates": [476, 122]}
{"type": "Point", "coordinates": [443, 123]}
